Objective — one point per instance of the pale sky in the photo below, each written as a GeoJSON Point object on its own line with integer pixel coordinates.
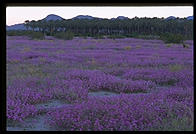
{"type": "Point", "coordinates": [15, 15]}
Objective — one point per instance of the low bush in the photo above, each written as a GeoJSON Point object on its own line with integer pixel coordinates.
{"type": "Point", "coordinates": [18, 33]}
{"type": "Point", "coordinates": [36, 35]}
{"type": "Point", "coordinates": [11, 33]}
{"type": "Point", "coordinates": [127, 47]}
{"type": "Point", "coordinates": [99, 37]}
{"type": "Point", "coordinates": [172, 38]}
{"type": "Point", "coordinates": [31, 34]}
{"type": "Point", "coordinates": [148, 37]}
{"type": "Point", "coordinates": [116, 36]}
{"type": "Point", "coordinates": [175, 68]}
{"type": "Point", "coordinates": [168, 45]}
{"type": "Point", "coordinates": [68, 35]}
{"type": "Point", "coordinates": [133, 35]}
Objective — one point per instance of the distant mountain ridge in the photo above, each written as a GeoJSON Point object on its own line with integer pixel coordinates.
{"type": "Point", "coordinates": [16, 27]}
{"type": "Point", "coordinates": [189, 18]}
{"type": "Point", "coordinates": [120, 18]}
{"type": "Point", "coordinates": [21, 26]}
{"type": "Point", "coordinates": [170, 18]}
{"type": "Point", "coordinates": [84, 17]}
{"type": "Point", "coordinates": [173, 18]}
{"type": "Point", "coordinates": [54, 17]}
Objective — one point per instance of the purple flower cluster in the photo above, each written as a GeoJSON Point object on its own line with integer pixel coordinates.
{"type": "Point", "coordinates": [96, 80]}
{"type": "Point", "coordinates": [20, 109]}
{"type": "Point", "coordinates": [21, 100]}
{"type": "Point", "coordinates": [162, 76]}
{"type": "Point", "coordinates": [124, 112]}
{"type": "Point", "coordinates": [71, 91]}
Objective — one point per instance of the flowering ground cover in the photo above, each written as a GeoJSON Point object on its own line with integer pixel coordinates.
{"type": "Point", "coordinates": [99, 84]}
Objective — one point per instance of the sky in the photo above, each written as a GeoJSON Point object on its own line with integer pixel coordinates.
{"type": "Point", "coordinates": [16, 15]}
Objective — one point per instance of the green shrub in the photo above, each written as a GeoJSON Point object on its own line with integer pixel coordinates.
{"type": "Point", "coordinates": [175, 68]}
{"type": "Point", "coordinates": [18, 33]}
{"type": "Point", "coordinates": [36, 35]}
{"type": "Point", "coordinates": [112, 37]}
{"type": "Point", "coordinates": [84, 37]}
{"type": "Point", "coordinates": [11, 33]}
{"type": "Point", "coordinates": [172, 38]}
{"type": "Point", "coordinates": [68, 35]}
{"type": "Point", "coordinates": [127, 47]}
{"type": "Point", "coordinates": [148, 37]}
{"type": "Point", "coordinates": [116, 36]}
{"type": "Point", "coordinates": [133, 35]}
{"type": "Point", "coordinates": [31, 34]}
{"type": "Point", "coordinates": [121, 36]}
{"type": "Point", "coordinates": [168, 45]}
{"type": "Point", "coordinates": [99, 37]}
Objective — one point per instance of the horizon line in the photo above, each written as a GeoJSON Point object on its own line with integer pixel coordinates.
{"type": "Point", "coordinates": [99, 17]}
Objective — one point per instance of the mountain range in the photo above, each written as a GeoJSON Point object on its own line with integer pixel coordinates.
{"type": "Point", "coordinates": [173, 18]}
{"type": "Point", "coordinates": [56, 17]}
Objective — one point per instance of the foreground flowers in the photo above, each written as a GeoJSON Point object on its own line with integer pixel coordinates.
{"type": "Point", "coordinates": [125, 112]}
{"type": "Point", "coordinates": [153, 84]}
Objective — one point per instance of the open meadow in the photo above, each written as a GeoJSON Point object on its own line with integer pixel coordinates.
{"type": "Point", "coordinates": [98, 84]}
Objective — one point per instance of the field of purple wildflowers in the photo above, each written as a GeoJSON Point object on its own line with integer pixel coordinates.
{"type": "Point", "coordinates": [151, 83]}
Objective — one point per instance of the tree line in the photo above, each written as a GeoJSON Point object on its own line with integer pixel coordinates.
{"type": "Point", "coordinates": [127, 27]}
